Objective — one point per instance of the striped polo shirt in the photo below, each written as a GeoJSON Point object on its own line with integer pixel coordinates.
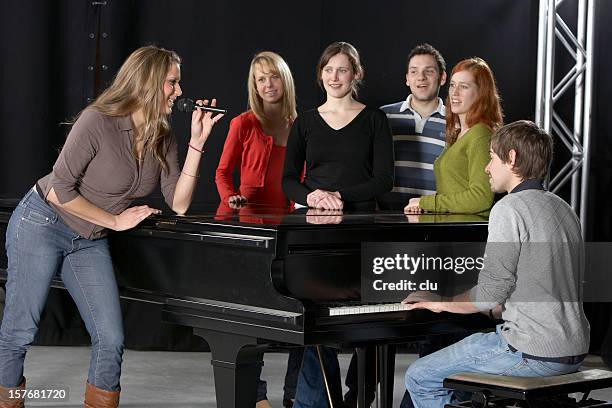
{"type": "Point", "coordinates": [417, 142]}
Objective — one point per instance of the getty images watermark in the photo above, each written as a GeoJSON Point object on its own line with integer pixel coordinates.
{"type": "Point", "coordinates": [411, 265]}
{"type": "Point", "coordinates": [392, 270]}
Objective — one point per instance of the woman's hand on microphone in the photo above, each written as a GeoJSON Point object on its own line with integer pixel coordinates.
{"type": "Point", "coordinates": [202, 123]}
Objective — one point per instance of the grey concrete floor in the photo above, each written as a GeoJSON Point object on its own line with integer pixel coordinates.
{"type": "Point", "coordinates": [174, 379]}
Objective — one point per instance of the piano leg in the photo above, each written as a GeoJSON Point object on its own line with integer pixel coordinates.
{"type": "Point", "coordinates": [386, 361]}
{"type": "Point", "coordinates": [386, 370]}
{"type": "Point", "coordinates": [361, 376]}
{"type": "Point", "coordinates": [236, 361]}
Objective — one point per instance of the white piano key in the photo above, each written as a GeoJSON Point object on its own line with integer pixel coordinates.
{"type": "Point", "coordinates": [364, 309]}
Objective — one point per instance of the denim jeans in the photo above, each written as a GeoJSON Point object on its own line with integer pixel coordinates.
{"type": "Point", "coordinates": [486, 353]}
{"type": "Point", "coordinates": [40, 246]}
{"type": "Point", "coordinates": [294, 362]}
{"type": "Point", "coordinates": [442, 334]}
{"type": "Point", "coordinates": [310, 392]}
{"type": "Point", "coordinates": [262, 389]}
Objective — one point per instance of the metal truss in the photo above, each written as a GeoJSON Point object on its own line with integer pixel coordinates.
{"type": "Point", "coordinates": [575, 136]}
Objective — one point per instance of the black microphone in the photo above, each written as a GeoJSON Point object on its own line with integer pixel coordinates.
{"type": "Point", "coordinates": [188, 105]}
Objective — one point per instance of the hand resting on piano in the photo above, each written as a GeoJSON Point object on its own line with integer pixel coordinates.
{"type": "Point", "coordinates": [321, 216]}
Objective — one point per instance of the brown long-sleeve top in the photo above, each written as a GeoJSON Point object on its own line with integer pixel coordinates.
{"type": "Point", "coordinates": [97, 162]}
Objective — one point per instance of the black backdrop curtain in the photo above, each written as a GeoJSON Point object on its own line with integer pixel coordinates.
{"type": "Point", "coordinates": [57, 55]}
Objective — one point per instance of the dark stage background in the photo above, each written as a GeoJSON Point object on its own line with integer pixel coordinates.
{"type": "Point", "coordinates": [57, 55]}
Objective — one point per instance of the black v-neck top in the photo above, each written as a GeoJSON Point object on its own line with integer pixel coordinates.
{"type": "Point", "coordinates": [356, 160]}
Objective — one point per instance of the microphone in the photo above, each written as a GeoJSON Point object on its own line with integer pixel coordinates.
{"type": "Point", "coordinates": [188, 105]}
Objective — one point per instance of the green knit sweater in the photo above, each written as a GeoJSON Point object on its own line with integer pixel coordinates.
{"type": "Point", "coordinates": [462, 186]}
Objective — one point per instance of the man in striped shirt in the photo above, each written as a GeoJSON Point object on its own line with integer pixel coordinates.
{"type": "Point", "coordinates": [418, 125]}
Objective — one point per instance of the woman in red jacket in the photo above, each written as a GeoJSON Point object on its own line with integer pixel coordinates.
{"type": "Point", "coordinates": [256, 144]}
{"type": "Point", "coordinates": [257, 138]}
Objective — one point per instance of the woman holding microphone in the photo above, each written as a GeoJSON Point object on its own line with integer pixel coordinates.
{"type": "Point", "coordinates": [118, 149]}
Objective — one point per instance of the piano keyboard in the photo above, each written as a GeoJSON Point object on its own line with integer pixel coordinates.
{"type": "Point", "coordinates": [363, 309]}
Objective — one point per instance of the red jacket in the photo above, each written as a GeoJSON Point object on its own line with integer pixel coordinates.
{"type": "Point", "coordinates": [246, 146]}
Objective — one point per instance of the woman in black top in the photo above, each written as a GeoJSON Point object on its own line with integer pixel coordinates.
{"type": "Point", "coordinates": [344, 149]}
{"type": "Point", "coordinates": [347, 146]}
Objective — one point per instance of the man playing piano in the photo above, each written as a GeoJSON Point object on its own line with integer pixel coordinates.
{"type": "Point", "coordinates": [532, 271]}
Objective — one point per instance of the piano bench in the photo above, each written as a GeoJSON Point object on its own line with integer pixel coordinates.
{"type": "Point", "coordinates": [501, 391]}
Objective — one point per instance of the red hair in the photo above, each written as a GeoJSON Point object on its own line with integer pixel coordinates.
{"type": "Point", "coordinates": [486, 108]}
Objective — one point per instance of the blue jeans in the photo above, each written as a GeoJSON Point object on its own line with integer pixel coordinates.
{"type": "Point", "coordinates": [310, 392]}
{"type": "Point", "coordinates": [40, 246]}
{"type": "Point", "coordinates": [262, 389]}
{"type": "Point", "coordinates": [294, 363]}
{"type": "Point", "coordinates": [293, 367]}
{"type": "Point", "coordinates": [486, 353]}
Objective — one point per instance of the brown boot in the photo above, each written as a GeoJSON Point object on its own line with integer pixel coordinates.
{"type": "Point", "coordinates": [5, 396]}
{"type": "Point", "coordinates": [98, 398]}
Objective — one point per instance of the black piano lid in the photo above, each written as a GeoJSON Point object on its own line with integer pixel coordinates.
{"type": "Point", "coordinates": [254, 215]}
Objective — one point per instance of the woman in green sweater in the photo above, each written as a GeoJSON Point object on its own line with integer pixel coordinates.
{"type": "Point", "coordinates": [462, 186]}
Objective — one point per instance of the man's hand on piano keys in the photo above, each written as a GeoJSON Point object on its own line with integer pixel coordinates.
{"type": "Point", "coordinates": [424, 300]}
{"type": "Point", "coordinates": [427, 300]}
{"type": "Point", "coordinates": [435, 307]}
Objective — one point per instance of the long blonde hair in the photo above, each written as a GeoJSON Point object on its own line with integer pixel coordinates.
{"type": "Point", "coordinates": [139, 85]}
{"type": "Point", "coordinates": [278, 66]}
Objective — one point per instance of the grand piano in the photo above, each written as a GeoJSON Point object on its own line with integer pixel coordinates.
{"type": "Point", "coordinates": [250, 278]}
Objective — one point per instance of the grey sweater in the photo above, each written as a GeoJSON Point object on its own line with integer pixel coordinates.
{"type": "Point", "coordinates": [534, 264]}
